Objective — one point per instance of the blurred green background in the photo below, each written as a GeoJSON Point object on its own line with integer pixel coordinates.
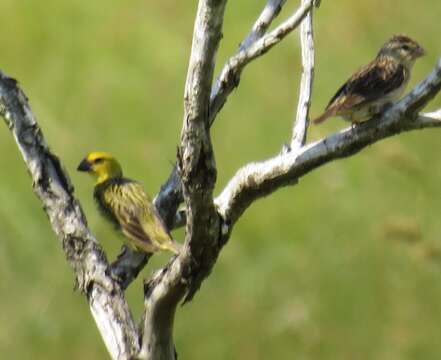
{"type": "Point", "coordinates": [345, 265]}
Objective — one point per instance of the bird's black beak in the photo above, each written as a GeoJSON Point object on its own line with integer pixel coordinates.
{"type": "Point", "coordinates": [84, 166]}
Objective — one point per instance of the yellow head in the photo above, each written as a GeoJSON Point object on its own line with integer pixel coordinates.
{"type": "Point", "coordinates": [101, 165]}
{"type": "Point", "coordinates": [403, 49]}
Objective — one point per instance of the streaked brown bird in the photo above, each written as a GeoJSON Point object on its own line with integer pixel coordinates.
{"type": "Point", "coordinates": [377, 84]}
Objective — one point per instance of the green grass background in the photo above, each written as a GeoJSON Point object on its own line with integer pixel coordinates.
{"type": "Point", "coordinates": [345, 265]}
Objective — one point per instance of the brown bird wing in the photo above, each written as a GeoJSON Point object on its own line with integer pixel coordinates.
{"type": "Point", "coordinates": [370, 83]}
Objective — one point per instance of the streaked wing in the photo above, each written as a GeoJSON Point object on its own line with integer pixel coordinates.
{"type": "Point", "coordinates": [136, 214]}
{"type": "Point", "coordinates": [370, 83]}
{"type": "Point", "coordinates": [133, 230]}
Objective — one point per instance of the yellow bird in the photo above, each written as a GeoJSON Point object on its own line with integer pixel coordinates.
{"type": "Point", "coordinates": [124, 203]}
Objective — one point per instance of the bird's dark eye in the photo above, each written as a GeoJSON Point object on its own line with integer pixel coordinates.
{"type": "Point", "coordinates": [406, 47]}
{"type": "Point", "coordinates": [98, 160]}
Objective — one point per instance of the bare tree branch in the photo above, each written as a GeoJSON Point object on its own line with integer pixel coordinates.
{"type": "Point", "coordinates": [198, 173]}
{"type": "Point", "coordinates": [170, 195]}
{"type": "Point", "coordinates": [196, 157]}
{"type": "Point", "coordinates": [429, 119]}
{"type": "Point", "coordinates": [208, 222]}
{"type": "Point", "coordinates": [304, 103]}
{"type": "Point", "coordinates": [230, 74]}
{"type": "Point", "coordinates": [256, 180]}
{"type": "Point", "coordinates": [266, 17]}
{"type": "Point", "coordinates": [52, 185]}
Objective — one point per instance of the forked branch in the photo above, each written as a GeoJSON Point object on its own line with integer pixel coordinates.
{"type": "Point", "coordinates": [170, 196]}
{"type": "Point", "coordinates": [197, 170]}
{"type": "Point", "coordinates": [232, 70]}
{"type": "Point", "coordinates": [209, 221]}
{"type": "Point", "coordinates": [263, 22]}
{"type": "Point", "coordinates": [259, 179]}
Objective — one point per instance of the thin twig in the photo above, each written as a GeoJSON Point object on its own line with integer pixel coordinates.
{"type": "Point", "coordinates": [230, 74]}
{"type": "Point", "coordinates": [170, 195]}
{"type": "Point", "coordinates": [266, 17]}
{"type": "Point", "coordinates": [305, 93]}
{"type": "Point", "coordinates": [259, 179]}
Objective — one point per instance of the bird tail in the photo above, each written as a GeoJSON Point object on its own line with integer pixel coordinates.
{"type": "Point", "coordinates": [327, 114]}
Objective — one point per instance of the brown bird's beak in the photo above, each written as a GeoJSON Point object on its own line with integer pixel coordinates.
{"type": "Point", "coordinates": [84, 166]}
{"type": "Point", "coordinates": [420, 52]}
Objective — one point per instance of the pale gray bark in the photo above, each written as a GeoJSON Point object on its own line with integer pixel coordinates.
{"type": "Point", "coordinates": [197, 170]}
{"type": "Point", "coordinates": [305, 93]}
{"type": "Point", "coordinates": [129, 264]}
{"type": "Point", "coordinates": [52, 185]}
{"type": "Point", "coordinates": [230, 74]}
{"type": "Point", "coordinates": [208, 221]}
{"type": "Point", "coordinates": [263, 22]}
{"type": "Point", "coordinates": [259, 179]}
